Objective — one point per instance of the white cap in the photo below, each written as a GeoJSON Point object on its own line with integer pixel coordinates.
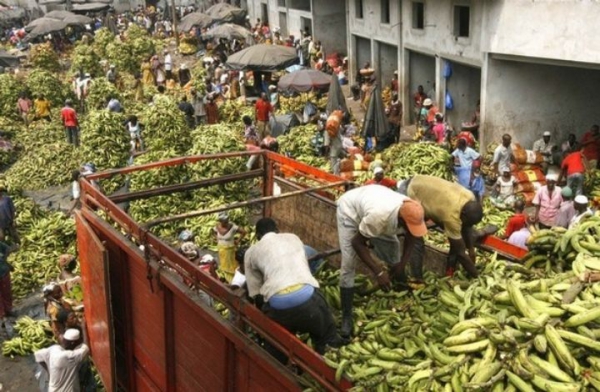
{"type": "Point", "coordinates": [377, 170]}
{"type": "Point", "coordinates": [580, 199]}
{"type": "Point", "coordinates": [552, 177]}
{"type": "Point", "coordinates": [427, 102]}
{"type": "Point", "coordinates": [547, 133]}
{"type": "Point", "coordinates": [72, 335]}
{"type": "Point", "coordinates": [207, 259]}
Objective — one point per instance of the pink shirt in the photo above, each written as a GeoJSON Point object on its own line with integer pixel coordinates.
{"type": "Point", "coordinates": [439, 130]}
{"type": "Point", "coordinates": [549, 204]}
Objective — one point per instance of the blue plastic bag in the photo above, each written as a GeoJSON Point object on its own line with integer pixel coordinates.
{"type": "Point", "coordinates": [449, 101]}
{"type": "Point", "coordinates": [447, 70]}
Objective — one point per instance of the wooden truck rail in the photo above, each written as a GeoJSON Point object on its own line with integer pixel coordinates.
{"type": "Point", "coordinates": [150, 332]}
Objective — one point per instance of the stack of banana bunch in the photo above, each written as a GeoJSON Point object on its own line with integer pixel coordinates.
{"type": "Point", "coordinates": [232, 111]}
{"type": "Point", "coordinates": [405, 160]}
{"type": "Point", "coordinates": [592, 186]}
{"type": "Point", "coordinates": [297, 143]}
{"type": "Point", "coordinates": [486, 165]}
{"type": "Point", "coordinates": [295, 104]}
{"type": "Point", "coordinates": [558, 247]}
{"type": "Point", "coordinates": [44, 56]}
{"type": "Point", "coordinates": [511, 329]}
{"type": "Point", "coordinates": [33, 335]}
{"type": "Point", "coordinates": [492, 215]}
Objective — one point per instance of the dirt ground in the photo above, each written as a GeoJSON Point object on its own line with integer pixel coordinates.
{"type": "Point", "coordinates": [17, 375]}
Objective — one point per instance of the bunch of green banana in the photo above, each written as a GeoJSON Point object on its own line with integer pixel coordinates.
{"type": "Point", "coordinates": [165, 127]}
{"type": "Point", "coordinates": [591, 182]}
{"type": "Point", "coordinates": [43, 82]}
{"type": "Point", "coordinates": [506, 330]}
{"type": "Point", "coordinates": [199, 77]}
{"type": "Point", "coordinates": [102, 37]}
{"type": "Point", "coordinates": [486, 165]}
{"type": "Point", "coordinates": [100, 91]}
{"type": "Point", "coordinates": [232, 112]}
{"type": "Point", "coordinates": [85, 57]}
{"type": "Point", "coordinates": [492, 215]}
{"type": "Point", "coordinates": [295, 104]}
{"type": "Point", "coordinates": [33, 335]}
{"type": "Point", "coordinates": [297, 144]}
{"type": "Point", "coordinates": [43, 164]}
{"type": "Point", "coordinates": [43, 56]}
{"type": "Point", "coordinates": [188, 45]}
{"type": "Point", "coordinates": [10, 88]}
{"type": "Point", "coordinates": [404, 160]}
{"type": "Point", "coordinates": [558, 247]}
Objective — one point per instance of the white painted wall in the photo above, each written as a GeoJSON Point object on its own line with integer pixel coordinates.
{"type": "Point", "coordinates": [371, 26]}
{"type": "Point", "coordinates": [329, 24]}
{"type": "Point", "coordinates": [526, 99]}
{"type": "Point", "coordinates": [437, 37]}
{"type": "Point", "coordinates": [387, 63]}
{"type": "Point", "coordinates": [549, 29]}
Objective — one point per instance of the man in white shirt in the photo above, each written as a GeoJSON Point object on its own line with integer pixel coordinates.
{"type": "Point", "coordinates": [168, 64]}
{"type": "Point", "coordinates": [375, 214]}
{"type": "Point", "coordinates": [546, 149]}
{"type": "Point", "coordinates": [503, 155]}
{"type": "Point", "coordinates": [62, 361]}
{"type": "Point", "coordinates": [582, 211]}
{"type": "Point", "coordinates": [276, 268]}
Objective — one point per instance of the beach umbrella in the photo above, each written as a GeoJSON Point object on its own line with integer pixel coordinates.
{"type": "Point", "coordinates": [223, 12]}
{"type": "Point", "coordinates": [57, 14]}
{"type": "Point", "coordinates": [78, 20]}
{"type": "Point", "coordinates": [46, 27]}
{"type": "Point", "coordinates": [195, 19]}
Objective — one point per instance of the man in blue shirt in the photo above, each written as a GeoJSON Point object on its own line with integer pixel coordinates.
{"type": "Point", "coordinates": [464, 157]}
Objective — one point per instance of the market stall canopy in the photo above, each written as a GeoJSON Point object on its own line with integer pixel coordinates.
{"type": "Point", "coordinates": [304, 80]}
{"type": "Point", "coordinates": [229, 31]}
{"type": "Point", "coordinates": [12, 13]}
{"type": "Point", "coordinates": [335, 97]}
{"type": "Point", "coordinates": [375, 124]}
{"type": "Point", "coordinates": [57, 14]}
{"type": "Point", "coordinates": [90, 7]}
{"type": "Point", "coordinates": [42, 21]}
{"type": "Point", "coordinates": [46, 27]}
{"type": "Point", "coordinates": [263, 57]}
{"type": "Point", "coordinates": [223, 12]}
{"type": "Point", "coordinates": [78, 20]}
{"type": "Point", "coordinates": [195, 19]}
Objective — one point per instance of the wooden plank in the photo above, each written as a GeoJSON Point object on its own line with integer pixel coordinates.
{"type": "Point", "coordinates": [97, 309]}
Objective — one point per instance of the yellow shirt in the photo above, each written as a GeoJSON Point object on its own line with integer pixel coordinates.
{"type": "Point", "coordinates": [42, 107]}
{"type": "Point", "coordinates": [442, 201]}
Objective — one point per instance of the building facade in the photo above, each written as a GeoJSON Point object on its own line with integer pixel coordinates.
{"type": "Point", "coordinates": [324, 20]}
{"type": "Point", "coordinates": [528, 64]}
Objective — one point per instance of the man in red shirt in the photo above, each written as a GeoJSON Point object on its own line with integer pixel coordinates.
{"type": "Point", "coordinates": [573, 168]}
{"type": "Point", "coordinates": [69, 119]}
{"type": "Point", "coordinates": [591, 145]}
{"type": "Point", "coordinates": [379, 179]}
{"type": "Point", "coordinates": [262, 110]}
{"type": "Point", "coordinates": [518, 220]}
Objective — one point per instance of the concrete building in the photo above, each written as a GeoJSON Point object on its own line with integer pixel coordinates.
{"type": "Point", "coordinates": [532, 68]}
{"type": "Point", "coordinates": [325, 20]}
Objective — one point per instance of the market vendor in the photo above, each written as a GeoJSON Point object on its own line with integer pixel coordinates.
{"type": "Point", "coordinates": [582, 211]}
{"type": "Point", "coordinates": [373, 215]}
{"type": "Point", "coordinates": [67, 279]}
{"type": "Point", "coordinates": [380, 179]}
{"type": "Point", "coordinates": [566, 211]}
{"type": "Point", "coordinates": [547, 203]}
{"type": "Point", "coordinates": [454, 207]}
{"type": "Point", "coordinates": [547, 149]}
{"type": "Point", "coordinates": [228, 236]}
{"type": "Point", "coordinates": [464, 158]}
{"type": "Point", "coordinates": [276, 269]}
{"type": "Point", "coordinates": [573, 169]}
{"type": "Point", "coordinates": [517, 221]}
{"type": "Point", "coordinates": [503, 155]}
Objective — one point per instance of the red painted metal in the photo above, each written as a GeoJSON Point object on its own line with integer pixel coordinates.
{"type": "Point", "coordinates": [175, 342]}
{"type": "Point", "coordinates": [507, 250]}
{"type": "Point", "coordinates": [94, 273]}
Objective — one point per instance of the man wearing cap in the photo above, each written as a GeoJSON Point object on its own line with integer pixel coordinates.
{"type": "Point", "coordinates": [379, 179]}
{"type": "Point", "coordinates": [546, 149]}
{"type": "Point", "coordinates": [62, 361]}
{"type": "Point", "coordinates": [566, 212]}
{"type": "Point", "coordinates": [455, 208]}
{"type": "Point", "coordinates": [374, 214]}
{"type": "Point", "coordinates": [503, 155]}
{"type": "Point", "coordinates": [547, 201]}
{"type": "Point", "coordinates": [277, 270]}
{"type": "Point", "coordinates": [573, 168]}
{"type": "Point", "coordinates": [582, 211]}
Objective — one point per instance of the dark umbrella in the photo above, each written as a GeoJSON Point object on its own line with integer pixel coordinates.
{"type": "Point", "coordinates": [195, 19]}
{"type": "Point", "coordinates": [335, 98]}
{"type": "Point", "coordinates": [223, 12]}
{"type": "Point", "coordinates": [263, 57]}
{"type": "Point", "coordinates": [60, 15]}
{"type": "Point", "coordinates": [229, 31]}
{"type": "Point", "coordinates": [77, 20]}
{"type": "Point", "coordinates": [304, 80]}
{"type": "Point", "coordinates": [375, 123]}
{"type": "Point", "coordinates": [46, 27]}
{"type": "Point", "coordinates": [38, 22]}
